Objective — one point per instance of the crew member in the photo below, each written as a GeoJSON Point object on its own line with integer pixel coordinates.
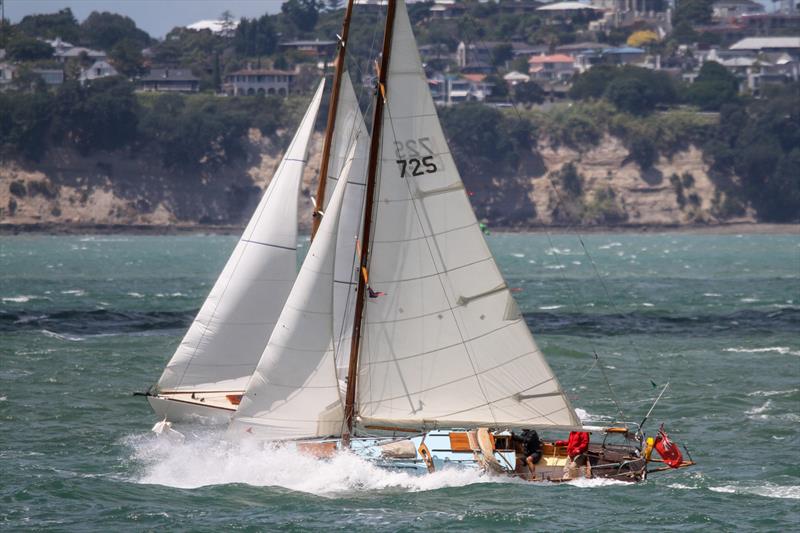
{"type": "Point", "coordinates": [577, 445]}
{"type": "Point", "coordinates": [532, 449]}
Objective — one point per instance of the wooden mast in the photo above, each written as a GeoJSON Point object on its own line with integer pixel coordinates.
{"type": "Point", "coordinates": [372, 171]}
{"type": "Point", "coordinates": [333, 108]}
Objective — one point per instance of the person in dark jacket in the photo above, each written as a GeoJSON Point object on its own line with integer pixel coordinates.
{"type": "Point", "coordinates": [532, 448]}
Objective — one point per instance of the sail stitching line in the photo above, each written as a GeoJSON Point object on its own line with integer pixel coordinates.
{"type": "Point", "coordinates": [290, 248]}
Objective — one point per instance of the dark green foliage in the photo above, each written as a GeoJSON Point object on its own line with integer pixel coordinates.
{"type": "Point", "coordinates": [303, 14]}
{"type": "Point", "coordinates": [683, 33]}
{"type": "Point", "coordinates": [529, 92]}
{"type": "Point", "coordinates": [103, 114]}
{"type": "Point", "coordinates": [255, 37]}
{"type": "Point", "coordinates": [485, 139]}
{"type": "Point", "coordinates": [604, 208]}
{"type": "Point", "coordinates": [675, 181]}
{"type": "Point", "coordinates": [692, 12]}
{"type": "Point", "coordinates": [43, 188]}
{"type": "Point", "coordinates": [760, 143]}
{"type": "Point", "coordinates": [643, 150]}
{"type": "Point", "coordinates": [104, 30]}
{"type": "Point", "coordinates": [593, 82]}
{"type": "Point", "coordinates": [632, 89]}
{"type": "Point", "coordinates": [714, 87]}
{"type": "Point", "coordinates": [126, 56]}
{"type": "Point", "coordinates": [52, 25]}
{"type": "Point", "coordinates": [638, 90]}
{"type": "Point", "coordinates": [571, 181]}
{"type": "Point", "coordinates": [18, 189]}
{"type": "Point", "coordinates": [24, 48]}
{"type": "Point", "coordinates": [24, 122]}
{"type": "Point", "coordinates": [501, 53]}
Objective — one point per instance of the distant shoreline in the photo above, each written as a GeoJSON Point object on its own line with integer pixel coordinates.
{"type": "Point", "coordinates": [205, 229]}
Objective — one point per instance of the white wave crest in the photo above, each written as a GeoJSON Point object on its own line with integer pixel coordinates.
{"type": "Point", "coordinates": [767, 393]}
{"type": "Point", "coordinates": [782, 350]}
{"type": "Point", "coordinates": [759, 410]}
{"type": "Point", "coordinates": [609, 245]}
{"type": "Point", "coordinates": [62, 336]}
{"type": "Point", "coordinates": [208, 460]}
{"type": "Point", "coordinates": [768, 490]}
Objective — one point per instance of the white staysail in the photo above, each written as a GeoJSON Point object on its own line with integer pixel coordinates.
{"type": "Point", "coordinates": [349, 131]}
{"type": "Point", "coordinates": [445, 345]}
{"type": "Point", "coordinates": [226, 339]}
{"type": "Point", "coordinates": [294, 391]}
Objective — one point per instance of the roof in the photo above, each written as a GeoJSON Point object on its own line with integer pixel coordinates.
{"type": "Point", "coordinates": [567, 6]}
{"type": "Point", "coordinates": [216, 26]}
{"type": "Point", "coordinates": [169, 74]}
{"type": "Point", "coordinates": [737, 3]}
{"type": "Point", "coordinates": [516, 76]}
{"type": "Point", "coordinates": [555, 58]}
{"type": "Point", "coordinates": [78, 50]}
{"type": "Point", "coordinates": [586, 45]}
{"type": "Point", "coordinates": [262, 72]}
{"type": "Point", "coordinates": [759, 43]}
{"type": "Point", "coordinates": [477, 78]}
{"type": "Point", "coordinates": [623, 50]}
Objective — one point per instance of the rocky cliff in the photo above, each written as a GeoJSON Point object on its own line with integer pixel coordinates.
{"type": "Point", "coordinates": [67, 191]}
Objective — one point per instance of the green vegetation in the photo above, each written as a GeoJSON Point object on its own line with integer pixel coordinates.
{"type": "Point", "coordinates": [184, 131]}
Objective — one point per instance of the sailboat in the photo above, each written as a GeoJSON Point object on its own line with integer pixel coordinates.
{"type": "Point", "coordinates": [441, 366]}
{"type": "Point", "coordinates": [207, 375]}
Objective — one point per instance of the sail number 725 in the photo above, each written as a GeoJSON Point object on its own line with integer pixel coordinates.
{"type": "Point", "coordinates": [415, 157]}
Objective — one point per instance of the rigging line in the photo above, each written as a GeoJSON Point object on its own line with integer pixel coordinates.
{"type": "Point", "coordinates": [608, 384]}
{"type": "Point", "coordinates": [439, 275]}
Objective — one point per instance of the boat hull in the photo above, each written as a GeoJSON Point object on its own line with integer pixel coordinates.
{"type": "Point", "coordinates": [179, 410]}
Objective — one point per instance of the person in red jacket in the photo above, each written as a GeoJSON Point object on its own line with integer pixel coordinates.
{"type": "Point", "coordinates": [577, 446]}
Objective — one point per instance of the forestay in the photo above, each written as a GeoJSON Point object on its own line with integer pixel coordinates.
{"type": "Point", "coordinates": [226, 339]}
{"type": "Point", "coordinates": [446, 345]}
{"type": "Point", "coordinates": [294, 392]}
{"type": "Point", "coordinates": [349, 130]}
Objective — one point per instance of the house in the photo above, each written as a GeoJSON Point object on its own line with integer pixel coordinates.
{"type": "Point", "coordinates": [259, 81]}
{"type": "Point", "coordinates": [789, 45]}
{"type": "Point", "coordinates": [315, 48]}
{"type": "Point", "coordinates": [447, 9]}
{"type": "Point", "coordinates": [568, 9]}
{"type": "Point", "coordinates": [99, 69]}
{"type": "Point", "coordinates": [64, 51]}
{"type": "Point", "coordinates": [730, 9]}
{"type": "Point", "coordinates": [174, 80]}
{"type": "Point", "coordinates": [624, 55]}
{"type": "Point", "coordinates": [51, 76]}
{"type": "Point", "coordinates": [6, 74]}
{"type": "Point", "coordinates": [514, 78]}
{"type": "Point", "coordinates": [771, 23]}
{"type": "Point", "coordinates": [556, 67]}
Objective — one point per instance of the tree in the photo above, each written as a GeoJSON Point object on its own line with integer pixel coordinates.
{"type": "Point", "coordinates": [642, 38]}
{"type": "Point", "coordinates": [226, 17]}
{"type": "Point", "coordinates": [126, 57]}
{"type": "Point", "coordinates": [593, 82]}
{"type": "Point", "coordinates": [255, 37]}
{"type": "Point", "coordinates": [24, 48]}
{"type": "Point", "coordinates": [692, 12]}
{"type": "Point", "coordinates": [104, 30]}
{"type": "Point", "coordinates": [50, 26]}
{"type": "Point", "coordinates": [629, 94]}
{"type": "Point", "coordinates": [529, 92]}
{"type": "Point", "coordinates": [713, 88]}
{"type": "Point", "coordinates": [501, 53]}
{"type": "Point", "coordinates": [302, 13]}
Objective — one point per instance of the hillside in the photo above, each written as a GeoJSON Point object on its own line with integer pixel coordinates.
{"type": "Point", "coordinates": [115, 188]}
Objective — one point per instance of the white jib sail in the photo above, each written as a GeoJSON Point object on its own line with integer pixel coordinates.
{"type": "Point", "coordinates": [349, 130]}
{"type": "Point", "coordinates": [446, 345]}
{"type": "Point", "coordinates": [226, 339]}
{"type": "Point", "coordinates": [294, 392]}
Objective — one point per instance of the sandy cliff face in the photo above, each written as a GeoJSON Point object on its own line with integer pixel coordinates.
{"type": "Point", "coordinates": [130, 189]}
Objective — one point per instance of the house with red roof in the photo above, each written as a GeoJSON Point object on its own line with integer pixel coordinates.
{"type": "Point", "coordinates": [556, 67]}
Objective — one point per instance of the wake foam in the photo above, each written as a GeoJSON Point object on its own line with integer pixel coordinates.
{"type": "Point", "coordinates": [206, 459]}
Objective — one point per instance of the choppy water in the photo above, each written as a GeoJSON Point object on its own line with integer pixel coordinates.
{"type": "Point", "coordinates": [84, 321]}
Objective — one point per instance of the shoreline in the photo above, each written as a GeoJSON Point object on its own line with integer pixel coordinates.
{"type": "Point", "coordinates": [750, 228]}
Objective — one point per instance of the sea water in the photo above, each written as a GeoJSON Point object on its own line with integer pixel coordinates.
{"type": "Point", "coordinates": [87, 320]}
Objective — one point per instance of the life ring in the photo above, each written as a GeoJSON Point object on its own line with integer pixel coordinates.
{"type": "Point", "coordinates": [425, 453]}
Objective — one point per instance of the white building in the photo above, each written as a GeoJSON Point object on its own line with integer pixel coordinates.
{"type": "Point", "coordinates": [259, 81]}
{"type": "Point", "coordinates": [100, 69]}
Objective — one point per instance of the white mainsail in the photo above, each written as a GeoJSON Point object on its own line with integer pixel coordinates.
{"type": "Point", "coordinates": [446, 345]}
{"type": "Point", "coordinates": [226, 339]}
{"type": "Point", "coordinates": [349, 131]}
{"type": "Point", "coordinates": [294, 391]}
